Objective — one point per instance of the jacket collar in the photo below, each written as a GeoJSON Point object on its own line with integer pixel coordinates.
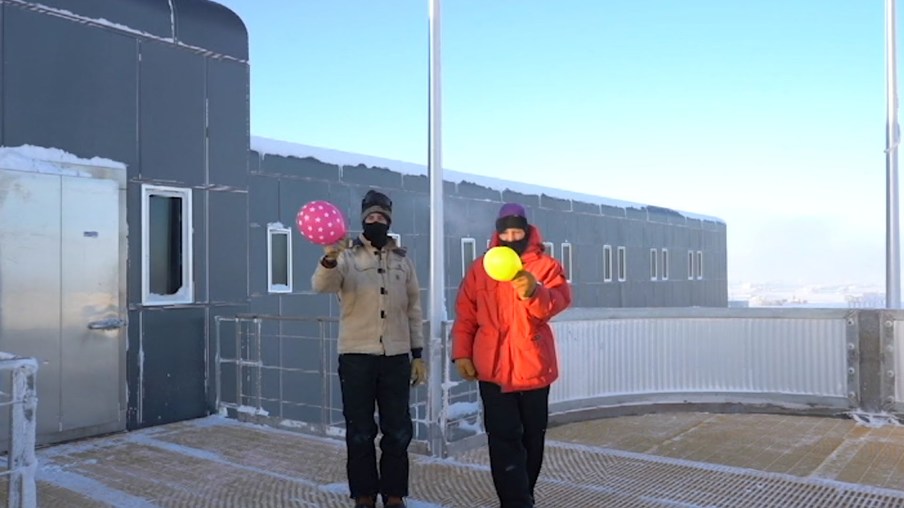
{"type": "Point", "coordinates": [361, 242]}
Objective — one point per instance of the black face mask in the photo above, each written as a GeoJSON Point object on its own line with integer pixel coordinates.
{"type": "Point", "coordinates": [519, 246]}
{"type": "Point", "coordinates": [376, 233]}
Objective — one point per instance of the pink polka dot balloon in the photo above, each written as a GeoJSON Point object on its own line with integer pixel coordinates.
{"type": "Point", "coordinates": [321, 223]}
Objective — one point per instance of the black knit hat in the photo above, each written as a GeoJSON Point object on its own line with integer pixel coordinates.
{"type": "Point", "coordinates": [376, 202]}
{"type": "Point", "coordinates": [511, 215]}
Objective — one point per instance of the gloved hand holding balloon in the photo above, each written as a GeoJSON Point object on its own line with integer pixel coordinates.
{"type": "Point", "coordinates": [502, 263]}
{"type": "Point", "coordinates": [332, 251]}
{"type": "Point", "coordinates": [321, 223]}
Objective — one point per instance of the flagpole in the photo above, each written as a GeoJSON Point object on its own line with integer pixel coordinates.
{"type": "Point", "coordinates": [892, 255]}
{"type": "Point", "coordinates": [437, 261]}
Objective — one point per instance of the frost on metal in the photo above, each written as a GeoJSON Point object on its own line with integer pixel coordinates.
{"type": "Point", "coordinates": [462, 409]}
{"type": "Point", "coordinates": [22, 461]}
{"type": "Point", "coordinates": [875, 420]}
{"type": "Point", "coordinates": [256, 411]}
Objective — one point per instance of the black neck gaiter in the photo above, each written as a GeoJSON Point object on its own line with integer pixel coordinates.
{"type": "Point", "coordinates": [376, 233]}
{"type": "Point", "coordinates": [519, 246]}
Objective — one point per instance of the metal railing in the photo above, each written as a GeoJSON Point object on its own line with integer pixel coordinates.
{"type": "Point", "coordinates": [278, 368]}
{"type": "Point", "coordinates": [19, 397]}
{"type": "Point", "coordinates": [283, 371]}
{"type": "Point", "coordinates": [612, 361]}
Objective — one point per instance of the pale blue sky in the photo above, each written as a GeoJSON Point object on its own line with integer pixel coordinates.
{"type": "Point", "coordinates": [769, 114]}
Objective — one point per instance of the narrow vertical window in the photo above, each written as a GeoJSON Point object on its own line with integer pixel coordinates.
{"type": "Point", "coordinates": [607, 263]}
{"type": "Point", "coordinates": [654, 264]}
{"type": "Point", "coordinates": [468, 254]}
{"type": "Point", "coordinates": [622, 264]}
{"type": "Point", "coordinates": [664, 265]}
{"type": "Point", "coordinates": [690, 265]}
{"type": "Point", "coordinates": [699, 265]}
{"type": "Point", "coordinates": [566, 260]}
{"type": "Point", "coordinates": [279, 254]}
{"type": "Point", "coordinates": [166, 245]}
{"type": "Point", "coordinates": [549, 248]}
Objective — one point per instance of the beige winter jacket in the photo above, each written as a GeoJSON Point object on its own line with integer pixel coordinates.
{"type": "Point", "coordinates": [379, 298]}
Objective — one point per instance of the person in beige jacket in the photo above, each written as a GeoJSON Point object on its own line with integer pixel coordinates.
{"type": "Point", "coordinates": [380, 327]}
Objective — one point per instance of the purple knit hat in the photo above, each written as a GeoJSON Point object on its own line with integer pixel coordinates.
{"type": "Point", "coordinates": [511, 210]}
{"type": "Point", "coordinates": [511, 216]}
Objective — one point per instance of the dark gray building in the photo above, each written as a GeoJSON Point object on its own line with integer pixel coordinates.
{"type": "Point", "coordinates": [133, 212]}
{"type": "Point", "coordinates": [618, 254]}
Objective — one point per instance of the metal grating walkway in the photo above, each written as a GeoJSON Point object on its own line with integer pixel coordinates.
{"type": "Point", "coordinates": [214, 462]}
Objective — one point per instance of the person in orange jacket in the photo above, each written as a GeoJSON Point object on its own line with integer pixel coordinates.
{"type": "Point", "coordinates": [502, 338]}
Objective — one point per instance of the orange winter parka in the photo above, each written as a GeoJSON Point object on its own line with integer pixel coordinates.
{"type": "Point", "coordinates": [509, 339]}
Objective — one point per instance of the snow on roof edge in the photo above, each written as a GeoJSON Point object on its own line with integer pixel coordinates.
{"type": "Point", "coordinates": [270, 146]}
{"type": "Point", "coordinates": [48, 160]}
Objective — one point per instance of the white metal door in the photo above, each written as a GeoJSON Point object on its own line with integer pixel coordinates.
{"type": "Point", "coordinates": [60, 296]}
{"type": "Point", "coordinates": [91, 320]}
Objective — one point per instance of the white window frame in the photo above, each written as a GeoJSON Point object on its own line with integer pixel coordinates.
{"type": "Point", "coordinates": [465, 262]}
{"type": "Point", "coordinates": [664, 264]}
{"type": "Point", "coordinates": [654, 264]}
{"type": "Point", "coordinates": [690, 265]}
{"type": "Point", "coordinates": [185, 294]}
{"type": "Point", "coordinates": [397, 237]}
{"type": "Point", "coordinates": [607, 263]}
{"type": "Point", "coordinates": [566, 260]}
{"type": "Point", "coordinates": [274, 229]}
{"type": "Point", "coordinates": [622, 264]}
{"type": "Point", "coordinates": [550, 248]}
{"type": "Point", "coordinates": [699, 265]}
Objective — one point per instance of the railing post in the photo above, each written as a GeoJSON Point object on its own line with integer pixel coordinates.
{"type": "Point", "coordinates": [238, 364]}
{"type": "Point", "coordinates": [216, 358]}
{"type": "Point", "coordinates": [443, 393]}
{"type": "Point", "coordinates": [870, 367]}
{"type": "Point", "coordinates": [21, 460]}
{"type": "Point", "coordinates": [888, 369]}
{"type": "Point", "coordinates": [258, 332]}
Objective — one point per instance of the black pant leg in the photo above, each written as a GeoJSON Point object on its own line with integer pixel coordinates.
{"type": "Point", "coordinates": [508, 457]}
{"type": "Point", "coordinates": [534, 409]}
{"type": "Point", "coordinates": [393, 396]}
{"type": "Point", "coordinates": [358, 380]}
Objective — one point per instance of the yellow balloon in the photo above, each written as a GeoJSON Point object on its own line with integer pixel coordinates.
{"type": "Point", "coordinates": [502, 263]}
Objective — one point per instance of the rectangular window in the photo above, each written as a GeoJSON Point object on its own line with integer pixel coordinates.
{"type": "Point", "coordinates": [166, 245]}
{"type": "Point", "coordinates": [468, 254]}
{"type": "Point", "coordinates": [664, 266]}
{"type": "Point", "coordinates": [566, 260]}
{"type": "Point", "coordinates": [397, 237]}
{"type": "Point", "coordinates": [690, 265]}
{"type": "Point", "coordinates": [622, 264]}
{"type": "Point", "coordinates": [607, 263]}
{"type": "Point", "coordinates": [654, 264]}
{"type": "Point", "coordinates": [699, 265]}
{"type": "Point", "coordinates": [549, 248]}
{"type": "Point", "coordinates": [279, 253]}
{"type": "Point", "coordinates": [488, 244]}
